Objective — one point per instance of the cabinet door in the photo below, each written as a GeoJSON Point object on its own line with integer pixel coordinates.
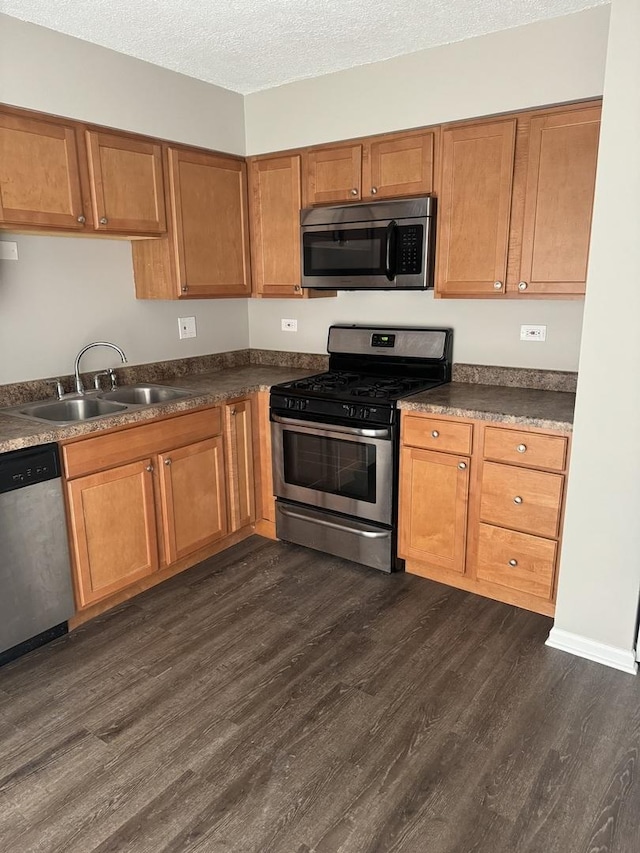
{"type": "Point", "coordinates": [240, 473]}
{"type": "Point", "coordinates": [274, 198]}
{"type": "Point", "coordinates": [113, 528]}
{"type": "Point", "coordinates": [210, 223]}
{"type": "Point", "coordinates": [563, 151]}
{"type": "Point", "coordinates": [333, 174]}
{"type": "Point", "coordinates": [192, 488]}
{"type": "Point", "coordinates": [434, 496]}
{"type": "Point", "coordinates": [39, 174]}
{"type": "Point", "coordinates": [475, 209]}
{"type": "Point", "coordinates": [127, 188]}
{"type": "Point", "coordinates": [399, 166]}
{"type": "Point", "coordinates": [267, 500]}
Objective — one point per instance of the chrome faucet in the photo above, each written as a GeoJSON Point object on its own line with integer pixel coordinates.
{"type": "Point", "coordinates": [76, 367]}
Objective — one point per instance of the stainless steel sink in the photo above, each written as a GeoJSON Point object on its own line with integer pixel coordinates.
{"type": "Point", "coordinates": [94, 404]}
{"type": "Point", "coordinates": [144, 395]}
{"type": "Point", "coordinates": [68, 411]}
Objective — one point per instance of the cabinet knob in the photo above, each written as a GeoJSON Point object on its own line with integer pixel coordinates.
{"type": "Point", "coordinates": [149, 468]}
{"type": "Point", "coordinates": [82, 219]}
{"type": "Point", "coordinates": [435, 433]}
{"type": "Point", "coordinates": [517, 499]}
{"type": "Point", "coordinates": [521, 448]}
{"type": "Point", "coordinates": [297, 288]}
{"type": "Point", "coordinates": [233, 412]}
{"type": "Point", "coordinates": [462, 465]}
{"type": "Point", "coordinates": [513, 563]}
{"type": "Point", "coordinates": [167, 461]}
{"type": "Point", "coordinates": [354, 191]}
{"type": "Point", "coordinates": [103, 220]}
{"type": "Point", "coordinates": [522, 285]}
{"type": "Point", "coordinates": [497, 285]}
{"type": "Point", "coordinates": [185, 288]}
{"type": "Point", "coordinates": [374, 190]}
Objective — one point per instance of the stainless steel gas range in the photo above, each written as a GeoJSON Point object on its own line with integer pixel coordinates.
{"type": "Point", "coordinates": [335, 440]}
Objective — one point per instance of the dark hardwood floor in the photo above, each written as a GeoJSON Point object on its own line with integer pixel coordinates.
{"type": "Point", "coordinates": [277, 700]}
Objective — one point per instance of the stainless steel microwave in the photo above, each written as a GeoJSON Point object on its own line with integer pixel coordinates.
{"type": "Point", "coordinates": [384, 245]}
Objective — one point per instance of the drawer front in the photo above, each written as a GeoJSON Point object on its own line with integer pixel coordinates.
{"type": "Point", "coordinates": [523, 500]}
{"type": "Point", "coordinates": [516, 560]}
{"type": "Point", "coordinates": [128, 444]}
{"type": "Point", "coordinates": [525, 448]}
{"type": "Point", "coordinates": [432, 434]}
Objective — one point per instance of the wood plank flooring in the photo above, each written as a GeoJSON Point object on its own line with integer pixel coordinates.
{"type": "Point", "coordinates": [277, 700]}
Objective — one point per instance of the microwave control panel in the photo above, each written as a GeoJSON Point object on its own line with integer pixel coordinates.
{"type": "Point", "coordinates": [409, 252]}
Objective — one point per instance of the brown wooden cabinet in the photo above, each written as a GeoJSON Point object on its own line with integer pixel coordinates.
{"type": "Point", "coordinates": [434, 495]}
{"type": "Point", "coordinates": [239, 441]}
{"type": "Point", "coordinates": [390, 166]}
{"type": "Point", "coordinates": [113, 529]}
{"type": "Point", "coordinates": [516, 203]}
{"type": "Point", "coordinates": [40, 182]}
{"type": "Point", "coordinates": [143, 498]}
{"type": "Point", "coordinates": [193, 496]}
{"type": "Point", "coordinates": [493, 526]}
{"type": "Point", "coordinates": [127, 185]}
{"type": "Point", "coordinates": [274, 207]}
{"type": "Point", "coordinates": [206, 253]}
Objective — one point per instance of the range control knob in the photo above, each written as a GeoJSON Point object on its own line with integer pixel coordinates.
{"type": "Point", "coordinates": [290, 403]}
{"type": "Point", "coordinates": [302, 404]}
{"type": "Point", "coordinates": [352, 411]}
{"type": "Point", "coordinates": [365, 412]}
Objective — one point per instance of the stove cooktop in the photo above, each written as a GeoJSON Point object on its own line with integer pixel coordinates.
{"type": "Point", "coordinates": [362, 387]}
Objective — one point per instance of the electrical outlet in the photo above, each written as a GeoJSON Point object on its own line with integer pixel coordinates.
{"type": "Point", "coordinates": [187, 327]}
{"type": "Point", "coordinates": [8, 250]}
{"type": "Point", "coordinates": [289, 325]}
{"type": "Point", "coordinates": [533, 333]}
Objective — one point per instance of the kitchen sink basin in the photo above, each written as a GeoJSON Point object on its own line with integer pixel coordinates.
{"type": "Point", "coordinates": [94, 404]}
{"type": "Point", "coordinates": [68, 411]}
{"type": "Point", "coordinates": [144, 395]}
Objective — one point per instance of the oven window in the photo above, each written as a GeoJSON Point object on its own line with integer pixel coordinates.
{"type": "Point", "coordinates": [357, 251]}
{"type": "Point", "coordinates": [345, 468]}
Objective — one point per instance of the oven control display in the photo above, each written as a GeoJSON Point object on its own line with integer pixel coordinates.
{"type": "Point", "coordinates": [378, 340]}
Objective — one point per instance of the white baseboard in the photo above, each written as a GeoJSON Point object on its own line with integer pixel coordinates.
{"type": "Point", "coordinates": [583, 647]}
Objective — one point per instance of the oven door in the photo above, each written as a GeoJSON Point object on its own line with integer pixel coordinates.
{"type": "Point", "coordinates": [344, 469]}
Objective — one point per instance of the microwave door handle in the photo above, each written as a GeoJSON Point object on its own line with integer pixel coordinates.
{"type": "Point", "coordinates": [390, 251]}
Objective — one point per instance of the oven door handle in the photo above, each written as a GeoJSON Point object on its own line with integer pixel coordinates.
{"type": "Point", "coordinates": [366, 534]}
{"type": "Point", "coordinates": [365, 433]}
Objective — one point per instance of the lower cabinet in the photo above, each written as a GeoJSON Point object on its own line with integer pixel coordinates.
{"type": "Point", "coordinates": [154, 497]}
{"type": "Point", "coordinates": [481, 507]}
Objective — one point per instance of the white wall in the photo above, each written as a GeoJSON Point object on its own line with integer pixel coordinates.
{"type": "Point", "coordinates": [485, 332]}
{"type": "Point", "coordinates": [65, 292]}
{"type": "Point", "coordinates": [553, 61]}
{"type": "Point", "coordinates": [600, 573]}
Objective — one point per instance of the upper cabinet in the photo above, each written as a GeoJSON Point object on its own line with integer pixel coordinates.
{"type": "Point", "coordinates": [516, 204]}
{"type": "Point", "coordinates": [40, 174]}
{"type": "Point", "coordinates": [206, 253]}
{"type": "Point", "coordinates": [127, 188]}
{"type": "Point", "coordinates": [274, 206]}
{"type": "Point", "coordinates": [390, 166]}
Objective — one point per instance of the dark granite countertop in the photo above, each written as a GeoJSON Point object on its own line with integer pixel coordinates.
{"type": "Point", "coordinates": [208, 388]}
{"type": "Point", "coordinates": [525, 406]}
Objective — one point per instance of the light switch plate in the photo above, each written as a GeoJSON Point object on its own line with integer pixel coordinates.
{"type": "Point", "coordinates": [187, 327]}
{"type": "Point", "coordinates": [8, 251]}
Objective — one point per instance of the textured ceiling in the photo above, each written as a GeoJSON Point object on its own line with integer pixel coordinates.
{"type": "Point", "coordinates": [247, 45]}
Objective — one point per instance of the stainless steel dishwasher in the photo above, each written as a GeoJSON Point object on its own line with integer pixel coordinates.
{"type": "Point", "coordinates": [36, 596]}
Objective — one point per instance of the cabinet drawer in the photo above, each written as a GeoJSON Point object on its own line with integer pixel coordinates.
{"type": "Point", "coordinates": [520, 499]}
{"type": "Point", "coordinates": [525, 448]}
{"type": "Point", "coordinates": [432, 434]}
{"type": "Point", "coordinates": [129, 444]}
{"type": "Point", "coordinates": [516, 560]}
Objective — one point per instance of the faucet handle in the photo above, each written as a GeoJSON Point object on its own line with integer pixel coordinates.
{"type": "Point", "coordinates": [60, 392]}
{"type": "Point", "coordinates": [96, 378]}
{"type": "Point", "coordinates": [113, 378]}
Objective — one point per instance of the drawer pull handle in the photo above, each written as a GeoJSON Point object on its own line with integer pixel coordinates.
{"type": "Point", "coordinates": [517, 499]}
{"type": "Point", "coordinates": [435, 433]}
{"type": "Point", "coordinates": [513, 563]}
{"type": "Point", "coordinates": [462, 465]}
{"type": "Point", "coordinates": [521, 448]}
